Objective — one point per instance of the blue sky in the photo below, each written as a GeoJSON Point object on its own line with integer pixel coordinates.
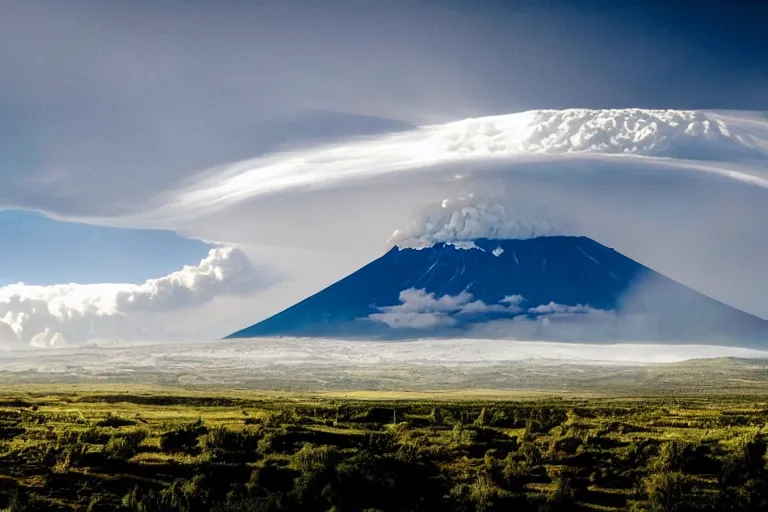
{"type": "Point", "coordinates": [110, 110]}
{"type": "Point", "coordinates": [39, 250]}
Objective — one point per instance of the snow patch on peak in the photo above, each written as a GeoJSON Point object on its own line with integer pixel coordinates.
{"type": "Point", "coordinates": [465, 245]}
{"type": "Point", "coordinates": [497, 251]}
{"type": "Point", "coordinates": [460, 222]}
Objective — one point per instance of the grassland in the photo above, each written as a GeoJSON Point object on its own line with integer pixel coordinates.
{"type": "Point", "coordinates": [147, 449]}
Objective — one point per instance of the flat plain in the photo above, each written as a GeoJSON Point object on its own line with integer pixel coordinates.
{"type": "Point", "coordinates": [142, 448]}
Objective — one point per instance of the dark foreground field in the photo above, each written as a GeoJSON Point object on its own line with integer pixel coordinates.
{"type": "Point", "coordinates": [201, 451]}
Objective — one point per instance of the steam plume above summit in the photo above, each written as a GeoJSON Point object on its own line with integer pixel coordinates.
{"type": "Point", "coordinates": [466, 219]}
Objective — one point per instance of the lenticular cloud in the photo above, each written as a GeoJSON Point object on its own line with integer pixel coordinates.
{"type": "Point", "coordinates": [679, 134]}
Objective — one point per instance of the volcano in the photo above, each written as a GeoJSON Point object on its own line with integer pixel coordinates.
{"type": "Point", "coordinates": [550, 288]}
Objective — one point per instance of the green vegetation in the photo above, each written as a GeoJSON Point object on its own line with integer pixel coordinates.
{"type": "Point", "coordinates": [194, 452]}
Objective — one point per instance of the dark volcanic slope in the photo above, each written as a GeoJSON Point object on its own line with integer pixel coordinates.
{"type": "Point", "coordinates": [561, 269]}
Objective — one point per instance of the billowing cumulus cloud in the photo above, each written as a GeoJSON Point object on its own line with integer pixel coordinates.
{"type": "Point", "coordinates": [465, 219]}
{"type": "Point", "coordinates": [686, 134]}
{"type": "Point", "coordinates": [46, 316]}
{"type": "Point", "coordinates": [421, 310]}
{"type": "Point", "coordinates": [461, 315]}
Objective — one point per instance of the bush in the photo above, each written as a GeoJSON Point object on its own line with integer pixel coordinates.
{"type": "Point", "coordinates": [671, 457]}
{"type": "Point", "coordinates": [115, 421]}
{"type": "Point", "coordinates": [483, 418]}
{"type": "Point", "coordinates": [281, 417]}
{"type": "Point", "coordinates": [564, 497]}
{"type": "Point", "coordinates": [382, 442]}
{"type": "Point", "coordinates": [234, 445]}
{"type": "Point", "coordinates": [138, 500]}
{"type": "Point", "coordinates": [567, 444]}
{"type": "Point", "coordinates": [100, 503]}
{"type": "Point", "coordinates": [461, 435]}
{"type": "Point", "coordinates": [531, 454]}
{"type": "Point", "coordinates": [315, 459]}
{"type": "Point", "coordinates": [483, 493]}
{"type": "Point", "coordinates": [665, 492]}
{"type": "Point", "coordinates": [72, 454]}
{"type": "Point", "coordinates": [183, 439]}
{"type": "Point", "coordinates": [123, 447]}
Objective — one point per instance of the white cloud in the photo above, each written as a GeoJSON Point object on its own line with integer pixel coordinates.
{"type": "Point", "coordinates": [53, 315]}
{"type": "Point", "coordinates": [397, 319]}
{"type": "Point", "coordinates": [560, 309]}
{"type": "Point", "coordinates": [226, 271]}
{"type": "Point", "coordinates": [8, 336]}
{"type": "Point", "coordinates": [48, 339]}
{"type": "Point", "coordinates": [421, 310]}
{"type": "Point", "coordinates": [459, 222]}
{"type": "Point", "coordinates": [539, 136]}
{"type": "Point", "coordinates": [677, 133]}
{"type": "Point", "coordinates": [512, 300]}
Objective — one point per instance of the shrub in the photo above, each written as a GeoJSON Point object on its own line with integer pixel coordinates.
{"type": "Point", "coordinates": [315, 459]}
{"type": "Point", "coordinates": [138, 500]}
{"type": "Point", "coordinates": [72, 454]}
{"type": "Point", "coordinates": [512, 474]}
{"type": "Point", "coordinates": [236, 445]}
{"type": "Point", "coordinates": [436, 416]}
{"type": "Point", "coordinates": [382, 442]}
{"type": "Point", "coordinates": [566, 444]}
{"type": "Point", "coordinates": [484, 493]}
{"type": "Point", "coordinates": [115, 421]}
{"type": "Point", "coordinates": [100, 503]}
{"type": "Point", "coordinates": [281, 417]}
{"type": "Point", "coordinates": [671, 457]}
{"type": "Point", "coordinates": [461, 435]}
{"type": "Point", "coordinates": [531, 454]}
{"type": "Point", "coordinates": [123, 447]}
{"type": "Point", "coordinates": [665, 491]}
{"type": "Point", "coordinates": [564, 497]}
{"type": "Point", "coordinates": [272, 476]}
{"type": "Point", "coordinates": [183, 439]}
{"type": "Point", "coordinates": [483, 418]}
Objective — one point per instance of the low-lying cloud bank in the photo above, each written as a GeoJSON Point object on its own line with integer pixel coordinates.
{"type": "Point", "coordinates": [421, 310]}
{"type": "Point", "coordinates": [46, 316]}
{"type": "Point", "coordinates": [511, 318]}
{"type": "Point", "coordinates": [646, 313]}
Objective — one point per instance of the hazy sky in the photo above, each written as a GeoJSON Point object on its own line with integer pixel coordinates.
{"type": "Point", "coordinates": [107, 108]}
